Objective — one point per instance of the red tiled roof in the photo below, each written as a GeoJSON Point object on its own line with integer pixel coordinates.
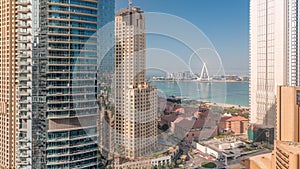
{"type": "Point", "coordinates": [225, 118]}
{"type": "Point", "coordinates": [170, 118]}
{"type": "Point", "coordinates": [237, 118]}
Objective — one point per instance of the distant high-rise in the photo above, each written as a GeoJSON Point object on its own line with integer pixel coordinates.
{"type": "Point", "coordinates": [8, 88]}
{"type": "Point", "coordinates": [293, 46]}
{"type": "Point", "coordinates": [268, 58]}
{"type": "Point", "coordinates": [136, 100]}
{"type": "Point", "coordinates": [58, 58]}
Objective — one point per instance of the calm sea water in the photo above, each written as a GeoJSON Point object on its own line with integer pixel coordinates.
{"type": "Point", "coordinates": [236, 93]}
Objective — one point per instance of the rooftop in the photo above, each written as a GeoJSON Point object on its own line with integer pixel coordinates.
{"type": "Point", "coordinates": [264, 160]}
{"type": "Point", "coordinates": [290, 147]}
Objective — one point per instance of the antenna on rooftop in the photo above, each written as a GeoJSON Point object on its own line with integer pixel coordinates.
{"type": "Point", "coordinates": [130, 4]}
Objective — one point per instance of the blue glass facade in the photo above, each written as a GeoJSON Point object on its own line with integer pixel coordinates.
{"type": "Point", "coordinates": [65, 62]}
{"type": "Point", "coordinates": [72, 84]}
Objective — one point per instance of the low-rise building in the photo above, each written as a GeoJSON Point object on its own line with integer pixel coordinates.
{"type": "Point", "coordinates": [233, 124]}
{"type": "Point", "coordinates": [189, 129]}
{"type": "Point", "coordinates": [148, 162]}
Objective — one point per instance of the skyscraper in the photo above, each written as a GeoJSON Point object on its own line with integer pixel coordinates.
{"type": "Point", "coordinates": [58, 47]}
{"type": "Point", "coordinates": [293, 68]}
{"type": "Point", "coordinates": [268, 59]}
{"type": "Point", "coordinates": [8, 122]}
{"type": "Point", "coordinates": [136, 100]}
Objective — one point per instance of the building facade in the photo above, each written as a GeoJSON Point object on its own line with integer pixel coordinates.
{"type": "Point", "coordinates": [268, 59]}
{"type": "Point", "coordinates": [58, 92]}
{"type": "Point", "coordinates": [286, 153]}
{"type": "Point", "coordinates": [8, 88]}
{"type": "Point", "coordinates": [136, 100]}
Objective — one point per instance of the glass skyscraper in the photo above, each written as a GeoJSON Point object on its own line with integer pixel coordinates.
{"type": "Point", "coordinates": [58, 54]}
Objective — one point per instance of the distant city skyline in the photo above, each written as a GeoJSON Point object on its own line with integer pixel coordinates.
{"type": "Point", "coordinates": [229, 34]}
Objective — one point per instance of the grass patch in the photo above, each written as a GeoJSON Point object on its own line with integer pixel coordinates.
{"type": "Point", "coordinates": [208, 165]}
{"type": "Point", "coordinates": [223, 135]}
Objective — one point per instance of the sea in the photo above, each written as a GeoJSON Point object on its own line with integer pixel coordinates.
{"type": "Point", "coordinates": [235, 93]}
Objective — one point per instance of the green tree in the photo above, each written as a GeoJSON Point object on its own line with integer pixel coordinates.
{"type": "Point", "coordinates": [173, 164]}
{"type": "Point", "coordinates": [165, 127]}
{"type": "Point", "coordinates": [178, 162]}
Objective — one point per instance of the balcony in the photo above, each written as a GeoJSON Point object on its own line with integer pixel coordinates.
{"type": "Point", "coordinates": [24, 48]}
{"type": "Point", "coordinates": [23, 33]}
{"type": "Point", "coordinates": [23, 25]}
{"type": "Point", "coordinates": [23, 163]}
{"type": "Point", "coordinates": [23, 18]}
{"type": "Point", "coordinates": [24, 155]}
{"type": "Point", "coordinates": [23, 2]}
{"type": "Point", "coordinates": [23, 63]}
{"type": "Point", "coordinates": [24, 78]}
{"type": "Point", "coordinates": [23, 10]}
{"type": "Point", "coordinates": [23, 41]}
{"type": "Point", "coordinates": [23, 55]}
{"type": "Point", "coordinates": [24, 71]}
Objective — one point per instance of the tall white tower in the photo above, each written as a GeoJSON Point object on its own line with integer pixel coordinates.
{"type": "Point", "coordinates": [136, 100]}
{"type": "Point", "coordinates": [268, 61]}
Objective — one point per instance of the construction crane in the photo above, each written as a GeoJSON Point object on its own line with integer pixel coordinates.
{"type": "Point", "coordinates": [130, 4]}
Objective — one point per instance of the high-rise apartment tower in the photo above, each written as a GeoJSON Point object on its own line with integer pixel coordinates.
{"type": "Point", "coordinates": [268, 59]}
{"type": "Point", "coordinates": [58, 60]}
{"type": "Point", "coordinates": [136, 100]}
{"type": "Point", "coordinates": [8, 87]}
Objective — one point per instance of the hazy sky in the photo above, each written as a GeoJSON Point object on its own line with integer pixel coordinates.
{"type": "Point", "coordinates": [224, 22]}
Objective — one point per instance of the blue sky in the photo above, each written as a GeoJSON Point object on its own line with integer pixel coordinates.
{"type": "Point", "coordinates": [225, 23]}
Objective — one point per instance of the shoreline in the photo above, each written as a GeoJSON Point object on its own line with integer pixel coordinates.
{"type": "Point", "coordinates": [225, 105]}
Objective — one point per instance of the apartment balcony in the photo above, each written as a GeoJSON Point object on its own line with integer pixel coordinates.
{"type": "Point", "coordinates": [59, 26]}
{"type": "Point", "coordinates": [58, 4]}
{"type": "Point", "coordinates": [24, 71]}
{"type": "Point", "coordinates": [23, 25]}
{"type": "Point", "coordinates": [24, 78]}
{"type": "Point", "coordinates": [24, 86]}
{"type": "Point", "coordinates": [57, 162]}
{"type": "Point", "coordinates": [23, 33]}
{"type": "Point", "coordinates": [23, 140]}
{"type": "Point", "coordinates": [62, 33]}
{"type": "Point", "coordinates": [23, 2]}
{"type": "Point", "coordinates": [23, 10]}
{"type": "Point", "coordinates": [83, 6]}
{"type": "Point", "coordinates": [86, 165]}
{"type": "Point", "coordinates": [83, 21]}
{"type": "Point", "coordinates": [23, 63]}
{"type": "Point", "coordinates": [86, 157]}
{"type": "Point", "coordinates": [23, 109]}
{"type": "Point", "coordinates": [24, 101]}
{"type": "Point", "coordinates": [58, 139]}
{"type": "Point", "coordinates": [23, 93]}
{"type": "Point", "coordinates": [24, 48]}
{"type": "Point", "coordinates": [23, 41]}
{"type": "Point", "coordinates": [23, 55]}
{"type": "Point", "coordinates": [24, 155]}
{"type": "Point", "coordinates": [24, 117]}
{"type": "Point", "coordinates": [23, 163]}
{"type": "Point", "coordinates": [25, 18]}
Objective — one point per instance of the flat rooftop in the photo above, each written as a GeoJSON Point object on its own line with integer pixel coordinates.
{"type": "Point", "coordinates": [264, 160]}
{"type": "Point", "coordinates": [291, 147]}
